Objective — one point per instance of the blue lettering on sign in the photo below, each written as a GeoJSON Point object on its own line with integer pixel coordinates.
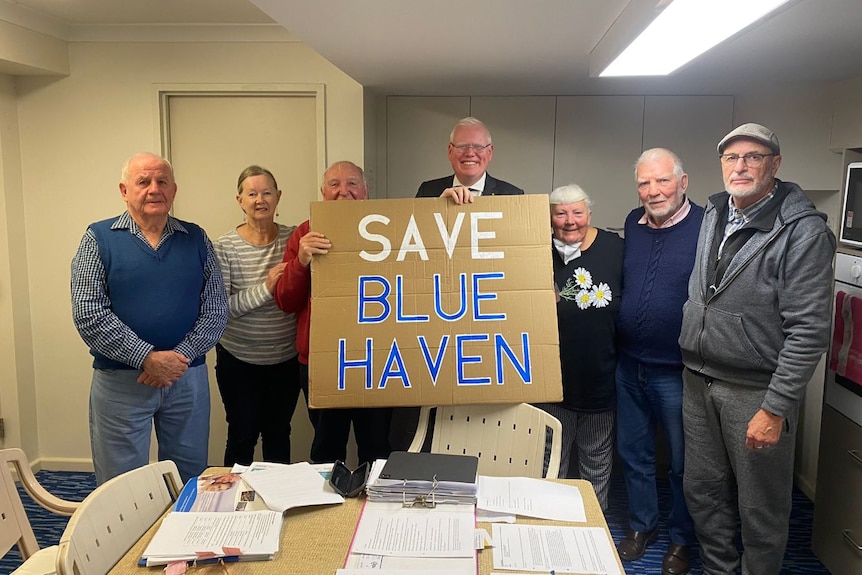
{"type": "Point", "coordinates": [399, 303]}
{"type": "Point", "coordinates": [463, 359]}
{"type": "Point", "coordinates": [433, 363]}
{"type": "Point", "coordinates": [375, 308]}
{"type": "Point", "coordinates": [368, 298]}
{"type": "Point", "coordinates": [394, 368]}
{"type": "Point", "coordinates": [345, 364]}
{"type": "Point", "coordinates": [378, 299]}
{"type": "Point", "coordinates": [478, 296]}
{"type": "Point", "coordinates": [501, 346]}
{"type": "Point", "coordinates": [462, 293]}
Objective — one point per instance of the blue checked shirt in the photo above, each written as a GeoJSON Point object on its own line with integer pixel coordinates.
{"type": "Point", "coordinates": [104, 331]}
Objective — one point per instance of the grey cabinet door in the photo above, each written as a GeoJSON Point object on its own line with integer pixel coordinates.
{"type": "Point", "coordinates": [522, 128]}
{"type": "Point", "coordinates": [690, 126]}
{"type": "Point", "coordinates": [598, 139]}
{"type": "Point", "coordinates": [417, 138]}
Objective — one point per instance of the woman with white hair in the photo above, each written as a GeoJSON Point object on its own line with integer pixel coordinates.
{"type": "Point", "coordinates": [588, 266]}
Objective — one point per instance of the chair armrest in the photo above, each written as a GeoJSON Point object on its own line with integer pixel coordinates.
{"type": "Point", "coordinates": [33, 488]}
{"type": "Point", "coordinates": [421, 431]}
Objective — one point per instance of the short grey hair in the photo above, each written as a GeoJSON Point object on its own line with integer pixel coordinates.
{"type": "Point", "coordinates": [347, 163]}
{"type": "Point", "coordinates": [470, 121]}
{"type": "Point", "coordinates": [124, 173]}
{"type": "Point", "coordinates": [569, 194]}
{"type": "Point", "coordinates": [654, 154]}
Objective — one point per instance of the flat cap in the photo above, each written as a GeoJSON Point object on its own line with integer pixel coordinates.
{"type": "Point", "coordinates": [754, 131]}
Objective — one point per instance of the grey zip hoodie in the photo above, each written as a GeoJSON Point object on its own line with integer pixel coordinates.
{"type": "Point", "coordinates": [765, 321]}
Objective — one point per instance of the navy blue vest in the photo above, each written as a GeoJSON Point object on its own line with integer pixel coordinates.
{"type": "Point", "coordinates": [156, 293]}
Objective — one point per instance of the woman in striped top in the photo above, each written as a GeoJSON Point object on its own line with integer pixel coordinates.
{"type": "Point", "coordinates": [256, 360]}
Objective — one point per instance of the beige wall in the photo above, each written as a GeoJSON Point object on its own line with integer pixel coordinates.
{"type": "Point", "coordinates": [75, 132]}
{"type": "Point", "coordinates": [17, 387]}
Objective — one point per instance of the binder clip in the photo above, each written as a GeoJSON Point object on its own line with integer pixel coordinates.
{"type": "Point", "coordinates": [427, 501]}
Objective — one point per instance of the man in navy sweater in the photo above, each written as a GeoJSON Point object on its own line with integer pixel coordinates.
{"type": "Point", "coordinates": [148, 299]}
{"type": "Point", "coordinates": [660, 246]}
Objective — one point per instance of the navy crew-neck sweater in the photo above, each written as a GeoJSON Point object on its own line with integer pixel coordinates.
{"type": "Point", "coordinates": [656, 268]}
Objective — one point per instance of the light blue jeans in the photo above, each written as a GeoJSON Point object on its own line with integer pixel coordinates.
{"type": "Point", "coordinates": [123, 412]}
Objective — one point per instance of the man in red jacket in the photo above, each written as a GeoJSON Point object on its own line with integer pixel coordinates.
{"type": "Point", "coordinates": [341, 181]}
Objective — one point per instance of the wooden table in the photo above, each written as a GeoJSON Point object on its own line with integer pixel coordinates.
{"type": "Point", "coordinates": [315, 540]}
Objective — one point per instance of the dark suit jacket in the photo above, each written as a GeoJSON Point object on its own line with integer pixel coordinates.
{"type": "Point", "coordinates": [493, 187]}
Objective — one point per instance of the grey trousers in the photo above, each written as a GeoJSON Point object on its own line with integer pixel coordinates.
{"type": "Point", "coordinates": [592, 434]}
{"type": "Point", "coordinates": [724, 480]}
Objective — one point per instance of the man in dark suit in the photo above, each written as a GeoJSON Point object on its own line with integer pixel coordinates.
{"type": "Point", "coordinates": [470, 152]}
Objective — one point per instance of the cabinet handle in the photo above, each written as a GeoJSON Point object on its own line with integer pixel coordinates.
{"type": "Point", "coordinates": [848, 537]}
{"type": "Point", "coordinates": [855, 455]}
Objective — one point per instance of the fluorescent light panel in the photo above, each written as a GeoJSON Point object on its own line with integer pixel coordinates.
{"type": "Point", "coordinates": [685, 30]}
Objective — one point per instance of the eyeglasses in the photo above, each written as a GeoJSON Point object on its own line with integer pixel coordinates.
{"type": "Point", "coordinates": [462, 148]}
{"type": "Point", "coordinates": [752, 160]}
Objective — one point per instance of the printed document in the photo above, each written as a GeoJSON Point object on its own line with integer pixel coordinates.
{"type": "Point", "coordinates": [201, 535]}
{"type": "Point", "coordinates": [547, 548]}
{"type": "Point", "coordinates": [283, 487]}
{"type": "Point", "coordinates": [531, 498]}
{"type": "Point", "coordinates": [390, 529]}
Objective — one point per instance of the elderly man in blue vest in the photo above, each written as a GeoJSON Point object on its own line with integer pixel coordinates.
{"type": "Point", "coordinates": [148, 298]}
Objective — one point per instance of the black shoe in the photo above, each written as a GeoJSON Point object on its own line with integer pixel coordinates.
{"type": "Point", "coordinates": [634, 544]}
{"type": "Point", "coordinates": [675, 560]}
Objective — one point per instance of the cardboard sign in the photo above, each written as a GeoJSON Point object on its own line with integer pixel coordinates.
{"type": "Point", "coordinates": [424, 302]}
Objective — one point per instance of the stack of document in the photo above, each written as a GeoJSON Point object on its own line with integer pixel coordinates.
{"type": "Point", "coordinates": [241, 535]}
{"type": "Point", "coordinates": [424, 479]}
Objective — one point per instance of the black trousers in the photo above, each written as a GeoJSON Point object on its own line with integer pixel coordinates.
{"type": "Point", "coordinates": [332, 429]}
{"type": "Point", "coordinates": [259, 401]}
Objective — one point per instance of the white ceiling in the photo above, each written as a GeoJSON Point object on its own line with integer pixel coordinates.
{"type": "Point", "coordinates": [106, 12]}
{"type": "Point", "coordinates": [511, 47]}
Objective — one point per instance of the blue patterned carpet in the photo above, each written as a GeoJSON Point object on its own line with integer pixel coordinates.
{"type": "Point", "coordinates": [799, 560]}
{"type": "Point", "coordinates": [47, 526]}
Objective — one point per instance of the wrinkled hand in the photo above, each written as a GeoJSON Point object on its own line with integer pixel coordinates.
{"type": "Point", "coordinates": [764, 430]}
{"type": "Point", "coordinates": [163, 368]}
{"type": "Point", "coordinates": [311, 244]}
{"type": "Point", "coordinates": [459, 194]}
{"type": "Point", "coordinates": [273, 276]}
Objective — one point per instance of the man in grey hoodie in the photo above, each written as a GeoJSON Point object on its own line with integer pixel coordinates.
{"type": "Point", "coordinates": [754, 327]}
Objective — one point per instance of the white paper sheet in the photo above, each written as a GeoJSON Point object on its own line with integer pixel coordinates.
{"type": "Point", "coordinates": [283, 487]}
{"type": "Point", "coordinates": [546, 548]}
{"type": "Point", "coordinates": [385, 565]}
{"type": "Point", "coordinates": [531, 498]}
{"type": "Point", "coordinates": [383, 571]}
{"type": "Point", "coordinates": [389, 529]}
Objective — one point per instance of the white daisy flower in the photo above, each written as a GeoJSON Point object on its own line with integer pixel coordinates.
{"type": "Point", "coordinates": [602, 295]}
{"type": "Point", "coordinates": [583, 278]}
{"type": "Point", "coordinates": [584, 299]}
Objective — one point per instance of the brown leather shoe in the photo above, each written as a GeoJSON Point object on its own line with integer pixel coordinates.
{"type": "Point", "coordinates": [675, 561]}
{"type": "Point", "coordinates": [634, 544]}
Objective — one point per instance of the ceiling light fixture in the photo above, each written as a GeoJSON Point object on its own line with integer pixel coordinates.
{"type": "Point", "coordinates": [682, 31]}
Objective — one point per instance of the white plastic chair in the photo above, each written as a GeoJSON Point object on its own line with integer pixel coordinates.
{"type": "Point", "coordinates": [15, 528]}
{"type": "Point", "coordinates": [115, 516]}
{"type": "Point", "coordinates": [509, 440]}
